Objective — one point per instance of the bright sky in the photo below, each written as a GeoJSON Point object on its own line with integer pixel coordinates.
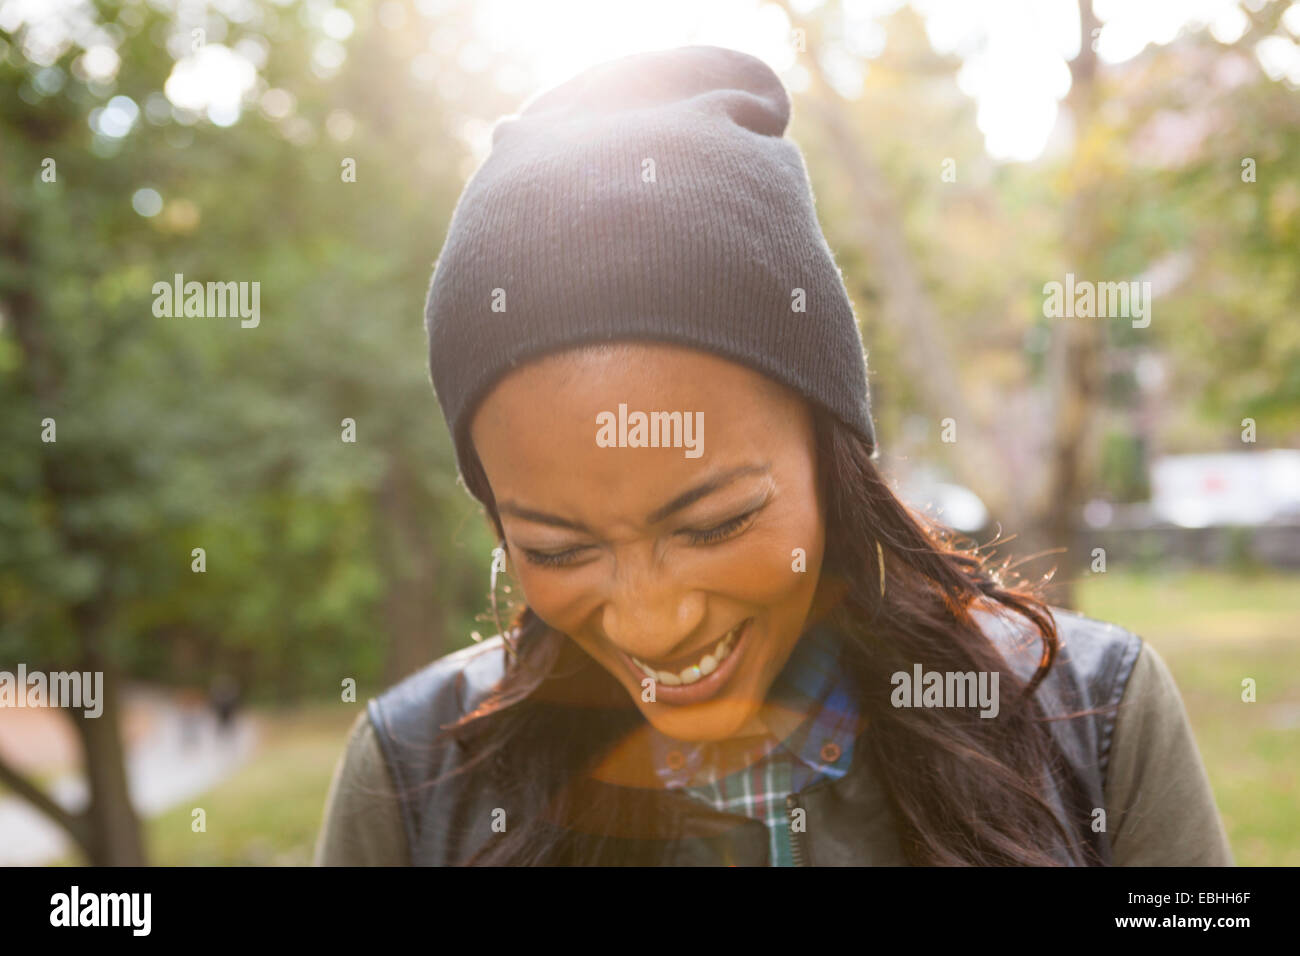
{"type": "Point", "coordinates": [1014, 51]}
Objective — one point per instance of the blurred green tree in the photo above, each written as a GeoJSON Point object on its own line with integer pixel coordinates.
{"type": "Point", "coordinates": [325, 558]}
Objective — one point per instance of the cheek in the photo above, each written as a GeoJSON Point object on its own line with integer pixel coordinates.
{"type": "Point", "coordinates": [541, 590]}
{"type": "Point", "coordinates": [562, 598]}
{"type": "Point", "coordinates": [780, 558]}
{"type": "Point", "coordinates": [778, 561]}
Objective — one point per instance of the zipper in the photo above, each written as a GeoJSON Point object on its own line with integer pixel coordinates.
{"type": "Point", "coordinates": [796, 837]}
{"type": "Point", "coordinates": [800, 851]}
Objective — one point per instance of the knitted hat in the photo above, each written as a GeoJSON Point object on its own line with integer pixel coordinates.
{"type": "Point", "coordinates": [653, 197]}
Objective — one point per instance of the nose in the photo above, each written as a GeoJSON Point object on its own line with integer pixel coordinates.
{"type": "Point", "coordinates": [650, 612]}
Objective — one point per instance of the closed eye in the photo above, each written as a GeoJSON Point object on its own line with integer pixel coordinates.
{"type": "Point", "coordinates": [553, 559]}
{"type": "Point", "coordinates": [719, 532]}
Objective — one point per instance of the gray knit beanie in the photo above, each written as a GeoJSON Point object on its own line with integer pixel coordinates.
{"type": "Point", "coordinates": [655, 198]}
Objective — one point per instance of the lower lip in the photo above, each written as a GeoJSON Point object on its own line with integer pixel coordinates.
{"type": "Point", "coordinates": [705, 687]}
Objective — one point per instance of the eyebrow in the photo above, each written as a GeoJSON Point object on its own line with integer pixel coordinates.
{"type": "Point", "coordinates": [684, 500]}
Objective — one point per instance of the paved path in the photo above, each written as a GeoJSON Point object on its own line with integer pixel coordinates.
{"type": "Point", "coordinates": [174, 753]}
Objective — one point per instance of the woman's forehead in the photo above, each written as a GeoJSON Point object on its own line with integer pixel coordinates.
{"type": "Point", "coordinates": [627, 417]}
{"type": "Point", "coordinates": [619, 367]}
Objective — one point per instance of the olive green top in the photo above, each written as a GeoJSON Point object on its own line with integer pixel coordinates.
{"type": "Point", "coordinates": [1160, 810]}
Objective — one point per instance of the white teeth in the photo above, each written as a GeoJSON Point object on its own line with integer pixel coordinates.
{"type": "Point", "coordinates": [689, 675]}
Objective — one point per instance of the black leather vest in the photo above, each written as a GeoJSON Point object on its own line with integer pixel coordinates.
{"type": "Point", "coordinates": [448, 820]}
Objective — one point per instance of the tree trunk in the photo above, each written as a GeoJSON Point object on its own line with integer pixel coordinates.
{"type": "Point", "coordinates": [1078, 344]}
{"type": "Point", "coordinates": [115, 837]}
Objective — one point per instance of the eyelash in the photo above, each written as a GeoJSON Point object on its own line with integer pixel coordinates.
{"type": "Point", "coordinates": [712, 535]}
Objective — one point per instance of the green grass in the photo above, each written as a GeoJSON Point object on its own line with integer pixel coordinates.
{"type": "Point", "coordinates": [270, 811]}
{"type": "Point", "coordinates": [1214, 630]}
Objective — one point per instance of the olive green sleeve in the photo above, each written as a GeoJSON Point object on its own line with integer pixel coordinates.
{"type": "Point", "coordinates": [1159, 806]}
{"type": "Point", "coordinates": [363, 821]}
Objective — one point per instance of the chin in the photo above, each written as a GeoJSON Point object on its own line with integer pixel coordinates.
{"type": "Point", "coordinates": [711, 721]}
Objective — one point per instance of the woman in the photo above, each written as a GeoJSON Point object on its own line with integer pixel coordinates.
{"type": "Point", "coordinates": [738, 647]}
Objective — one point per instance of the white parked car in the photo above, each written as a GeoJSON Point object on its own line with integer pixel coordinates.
{"type": "Point", "coordinates": [1229, 488]}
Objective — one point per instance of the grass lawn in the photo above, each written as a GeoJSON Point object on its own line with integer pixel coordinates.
{"type": "Point", "coordinates": [270, 811]}
{"type": "Point", "coordinates": [1214, 630]}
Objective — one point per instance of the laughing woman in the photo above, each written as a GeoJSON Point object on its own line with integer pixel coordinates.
{"type": "Point", "coordinates": [656, 387]}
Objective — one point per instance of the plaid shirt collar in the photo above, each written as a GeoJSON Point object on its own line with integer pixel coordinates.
{"type": "Point", "coordinates": [813, 683]}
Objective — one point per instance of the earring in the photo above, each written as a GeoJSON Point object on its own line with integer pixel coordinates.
{"type": "Point", "coordinates": [880, 556]}
{"type": "Point", "coordinates": [508, 641]}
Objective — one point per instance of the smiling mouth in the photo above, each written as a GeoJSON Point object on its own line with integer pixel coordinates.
{"type": "Point", "coordinates": [690, 670]}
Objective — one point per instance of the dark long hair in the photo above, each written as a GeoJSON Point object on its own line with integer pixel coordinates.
{"type": "Point", "coordinates": [963, 790]}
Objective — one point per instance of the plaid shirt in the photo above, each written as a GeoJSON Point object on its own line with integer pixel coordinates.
{"type": "Point", "coordinates": [812, 682]}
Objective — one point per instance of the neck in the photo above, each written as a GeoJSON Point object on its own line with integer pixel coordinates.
{"type": "Point", "coordinates": [630, 763]}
